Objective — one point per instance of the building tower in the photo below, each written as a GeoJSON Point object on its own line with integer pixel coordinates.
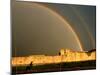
{"type": "Point", "coordinates": [62, 52]}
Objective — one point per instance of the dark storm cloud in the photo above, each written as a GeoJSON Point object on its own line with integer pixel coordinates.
{"type": "Point", "coordinates": [44, 34]}
{"type": "Point", "coordinates": [82, 19]}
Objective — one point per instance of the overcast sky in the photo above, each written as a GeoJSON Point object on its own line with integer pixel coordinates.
{"type": "Point", "coordinates": [44, 28]}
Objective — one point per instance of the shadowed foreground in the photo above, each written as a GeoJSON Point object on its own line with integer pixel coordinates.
{"type": "Point", "coordinates": [68, 66]}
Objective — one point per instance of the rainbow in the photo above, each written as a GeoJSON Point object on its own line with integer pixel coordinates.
{"type": "Point", "coordinates": [64, 21]}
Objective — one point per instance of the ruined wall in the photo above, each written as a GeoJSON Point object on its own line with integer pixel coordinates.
{"type": "Point", "coordinates": [78, 55]}
{"type": "Point", "coordinates": [65, 56]}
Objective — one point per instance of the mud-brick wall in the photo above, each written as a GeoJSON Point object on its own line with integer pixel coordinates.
{"type": "Point", "coordinates": [65, 56]}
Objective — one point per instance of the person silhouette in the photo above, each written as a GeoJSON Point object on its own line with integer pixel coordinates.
{"type": "Point", "coordinates": [29, 67]}
{"type": "Point", "coordinates": [31, 64]}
